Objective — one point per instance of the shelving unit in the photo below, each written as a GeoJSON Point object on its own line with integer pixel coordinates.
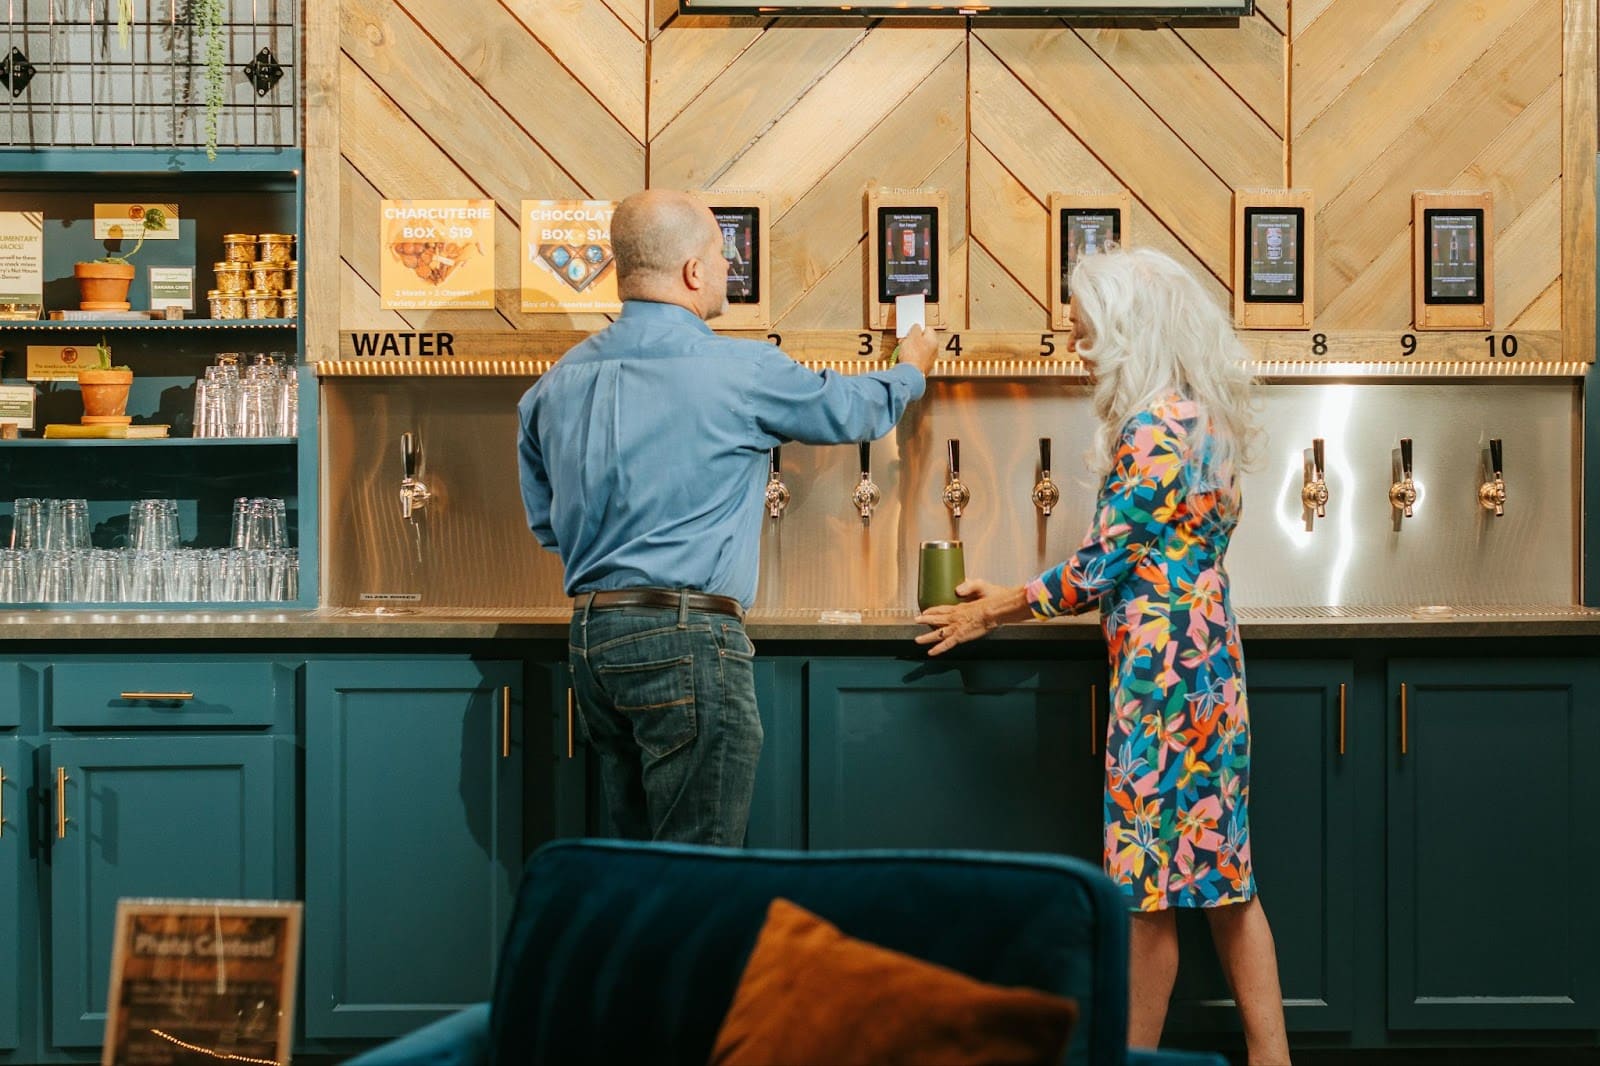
{"type": "Point", "coordinates": [250, 190]}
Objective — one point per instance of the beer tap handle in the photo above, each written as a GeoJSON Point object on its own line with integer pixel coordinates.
{"type": "Point", "coordinates": [1044, 455]}
{"type": "Point", "coordinates": [774, 461]}
{"type": "Point", "coordinates": [1405, 457]}
{"type": "Point", "coordinates": [1318, 457]}
{"type": "Point", "coordinates": [1496, 458]}
{"type": "Point", "coordinates": [408, 455]}
{"type": "Point", "coordinates": [866, 458]}
{"type": "Point", "coordinates": [955, 459]}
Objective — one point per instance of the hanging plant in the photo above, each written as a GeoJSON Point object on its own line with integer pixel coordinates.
{"type": "Point", "coordinates": [124, 21]}
{"type": "Point", "coordinates": [209, 21]}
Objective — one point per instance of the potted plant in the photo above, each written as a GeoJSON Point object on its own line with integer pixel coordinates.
{"type": "Point", "coordinates": [105, 388]}
{"type": "Point", "coordinates": [103, 283]}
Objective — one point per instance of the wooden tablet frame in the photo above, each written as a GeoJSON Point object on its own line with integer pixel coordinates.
{"type": "Point", "coordinates": [880, 315]}
{"type": "Point", "coordinates": [1248, 314]}
{"type": "Point", "coordinates": [756, 315]}
{"type": "Point", "coordinates": [1060, 204]}
{"type": "Point", "coordinates": [1427, 315]}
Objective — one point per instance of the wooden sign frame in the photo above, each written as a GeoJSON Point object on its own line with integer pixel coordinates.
{"type": "Point", "coordinates": [1055, 265]}
{"type": "Point", "coordinates": [1275, 313]}
{"type": "Point", "coordinates": [880, 314]}
{"type": "Point", "coordinates": [1451, 315]}
{"type": "Point", "coordinates": [756, 315]}
{"type": "Point", "coordinates": [187, 974]}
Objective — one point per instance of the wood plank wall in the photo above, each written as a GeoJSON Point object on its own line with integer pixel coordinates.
{"type": "Point", "coordinates": [1361, 101]}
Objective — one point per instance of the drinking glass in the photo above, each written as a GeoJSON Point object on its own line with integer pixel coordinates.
{"type": "Point", "coordinates": [27, 524]}
{"type": "Point", "coordinates": [14, 584]}
{"type": "Point", "coordinates": [66, 524]}
{"type": "Point", "coordinates": [940, 569]}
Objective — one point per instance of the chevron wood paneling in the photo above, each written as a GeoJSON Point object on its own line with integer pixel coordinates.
{"type": "Point", "coordinates": [1388, 98]}
{"type": "Point", "coordinates": [1362, 101]}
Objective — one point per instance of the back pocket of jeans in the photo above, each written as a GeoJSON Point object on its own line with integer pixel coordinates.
{"type": "Point", "coordinates": [658, 698]}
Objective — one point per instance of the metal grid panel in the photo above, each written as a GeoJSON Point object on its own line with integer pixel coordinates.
{"type": "Point", "coordinates": [90, 91]}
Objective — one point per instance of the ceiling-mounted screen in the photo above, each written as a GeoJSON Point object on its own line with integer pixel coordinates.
{"type": "Point", "coordinates": [926, 8]}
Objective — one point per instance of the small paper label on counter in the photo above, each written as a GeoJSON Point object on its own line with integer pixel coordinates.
{"type": "Point", "coordinates": [171, 287]}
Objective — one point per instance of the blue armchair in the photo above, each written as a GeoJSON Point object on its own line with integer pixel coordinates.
{"type": "Point", "coordinates": [631, 953]}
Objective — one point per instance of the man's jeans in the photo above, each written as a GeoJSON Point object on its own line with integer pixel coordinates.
{"type": "Point", "coordinates": [667, 700]}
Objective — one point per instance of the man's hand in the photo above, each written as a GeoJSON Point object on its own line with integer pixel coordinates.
{"type": "Point", "coordinates": [918, 348]}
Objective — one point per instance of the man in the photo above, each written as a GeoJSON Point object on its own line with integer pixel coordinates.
{"type": "Point", "coordinates": [643, 461]}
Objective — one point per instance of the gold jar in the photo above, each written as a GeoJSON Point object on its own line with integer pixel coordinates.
{"type": "Point", "coordinates": [265, 274]}
{"type": "Point", "coordinates": [232, 277]}
{"type": "Point", "coordinates": [294, 275]}
{"type": "Point", "coordinates": [226, 304]}
{"type": "Point", "coordinates": [291, 303]}
{"type": "Point", "coordinates": [277, 247]}
{"type": "Point", "coordinates": [239, 247]}
{"type": "Point", "coordinates": [263, 303]}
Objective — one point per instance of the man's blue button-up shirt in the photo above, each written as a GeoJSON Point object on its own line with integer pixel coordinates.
{"type": "Point", "coordinates": [643, 451]}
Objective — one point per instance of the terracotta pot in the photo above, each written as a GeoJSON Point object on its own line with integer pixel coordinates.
{"type": "Point", "coordinates": [105, 392]}
{"type": "Point", "coordinates": [103, 286]}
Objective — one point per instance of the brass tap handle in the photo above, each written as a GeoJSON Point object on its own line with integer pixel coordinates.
{"type": "Point", "coordinates": [1314, 494]}
{"type": "Point", "coordinates": [1045, 493]}
{"type": "Point", "coordinates": [866, 495]}
{"type": "Point", "coordinates": [1403, 493]}
{"type": "Point", "coordinates": [777, 495]}
{"type": "Point", "coordinates": [956, 495]}
{"type": "Point", "coordinates": [1492, 493]}
{"type": "Point", "coordinates": [775, 461]}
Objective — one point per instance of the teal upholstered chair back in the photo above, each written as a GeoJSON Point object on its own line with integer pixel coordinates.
{"type": "Point", "coordinates": [631, 953]}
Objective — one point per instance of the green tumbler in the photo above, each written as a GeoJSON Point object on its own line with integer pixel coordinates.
{"type": "Point", "coordinates": [939, 571]}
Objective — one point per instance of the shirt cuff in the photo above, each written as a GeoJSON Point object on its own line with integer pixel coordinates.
{"type": "Point", "coordinates": [1039, 600]}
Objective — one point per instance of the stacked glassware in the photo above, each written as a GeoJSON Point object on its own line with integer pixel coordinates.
{"type": "Point", "coordinates": [258, 400]}
{"type": "Point", "coordinates": [50, 559]}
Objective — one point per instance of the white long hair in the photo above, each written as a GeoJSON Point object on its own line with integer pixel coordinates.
{"type": "Point", "coordinates": [1154, 333]}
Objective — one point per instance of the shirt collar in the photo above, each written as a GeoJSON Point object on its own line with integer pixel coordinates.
{"type": "Point", "coordinates": [650, 310]}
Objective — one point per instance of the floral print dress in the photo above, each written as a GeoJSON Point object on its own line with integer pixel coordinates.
{"type": "Point", "coordinates": [1177, 832]}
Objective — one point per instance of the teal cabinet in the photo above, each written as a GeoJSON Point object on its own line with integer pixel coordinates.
{"type": "Point", "coordinates": [14, 824]}
{"type": "Point", "coordinates": [1303, 845]}
{"type": "Point", "coordinates": [413, 838]}
{"type": "Point", "coordinates": [1005, 756]}
{"type": "Point", "coordinates": [1491, 856]}
{"type": "Point", "coordinates": [577, 810]}
{"type": "Point", "coordinates": [777, 811]}
{"type": "Point", "coordinates": [156, 815]}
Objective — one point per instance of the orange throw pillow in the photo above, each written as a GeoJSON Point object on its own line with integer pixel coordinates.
{"type": "Point", "coordinates": [810, 994]}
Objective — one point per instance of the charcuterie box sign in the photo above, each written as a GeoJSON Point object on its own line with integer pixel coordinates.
{"type": "Point", "coordinates": [437, 254]}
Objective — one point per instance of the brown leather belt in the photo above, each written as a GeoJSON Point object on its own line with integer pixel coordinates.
{"type": "Point", "coordinates": [698, 601]}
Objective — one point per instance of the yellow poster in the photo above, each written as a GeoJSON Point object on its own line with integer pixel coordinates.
{"type": "Point", "coordinates": [129, 222]}
{"type": "Point", "coordinates": [566, 257]}
{"type": "Point", "coordinates": [437, 253]}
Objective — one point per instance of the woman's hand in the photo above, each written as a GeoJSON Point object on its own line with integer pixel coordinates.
{"type": "Point", "coordinates": [986, 606]}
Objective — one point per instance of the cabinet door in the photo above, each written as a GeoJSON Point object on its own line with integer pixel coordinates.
{"type": "Point", "coordinates": [13, 853]}
{"type": "Point", "coordinates": [162, 816]}
{"type": "Point", "coordinates": [413, 838]}
{"type": "Point", "coordinates": [1302, 842]}
{"type": "Point", "coordinates": [1492, 866]}
{"type": "Point", "coordinates": [777, 816]}
{"type": "Point", "coordinates": [989, 755]}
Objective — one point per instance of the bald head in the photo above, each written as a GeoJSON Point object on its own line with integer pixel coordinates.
{"type": "Point", "coordinates": [668, 248]}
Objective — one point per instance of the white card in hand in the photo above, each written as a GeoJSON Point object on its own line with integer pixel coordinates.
{"type": "Point", "coordinates": [910, 309]}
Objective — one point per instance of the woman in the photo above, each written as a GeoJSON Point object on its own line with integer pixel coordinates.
{"type": "Point", "coordinates": [1171, 389]}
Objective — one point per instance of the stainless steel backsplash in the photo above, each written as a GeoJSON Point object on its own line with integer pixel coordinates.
{"type": "Point", "coordinates": [470, 546]}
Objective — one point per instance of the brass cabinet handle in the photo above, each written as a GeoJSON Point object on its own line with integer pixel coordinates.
{"type": "Point", "coordinates": [1402, 718]}
{"type": "Point", "coordinates": [61, 803]}
{"type": "Point", "coordinates": [1094, 715]}
{"type": "Point", "coordinates": [175, 696]}
{"type": "Point", "coordinates": [1341, 718]}
{"type": "Point", "coordinates": [505, 721]}
{"type": "Point", "coordinates": [569, 721]}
